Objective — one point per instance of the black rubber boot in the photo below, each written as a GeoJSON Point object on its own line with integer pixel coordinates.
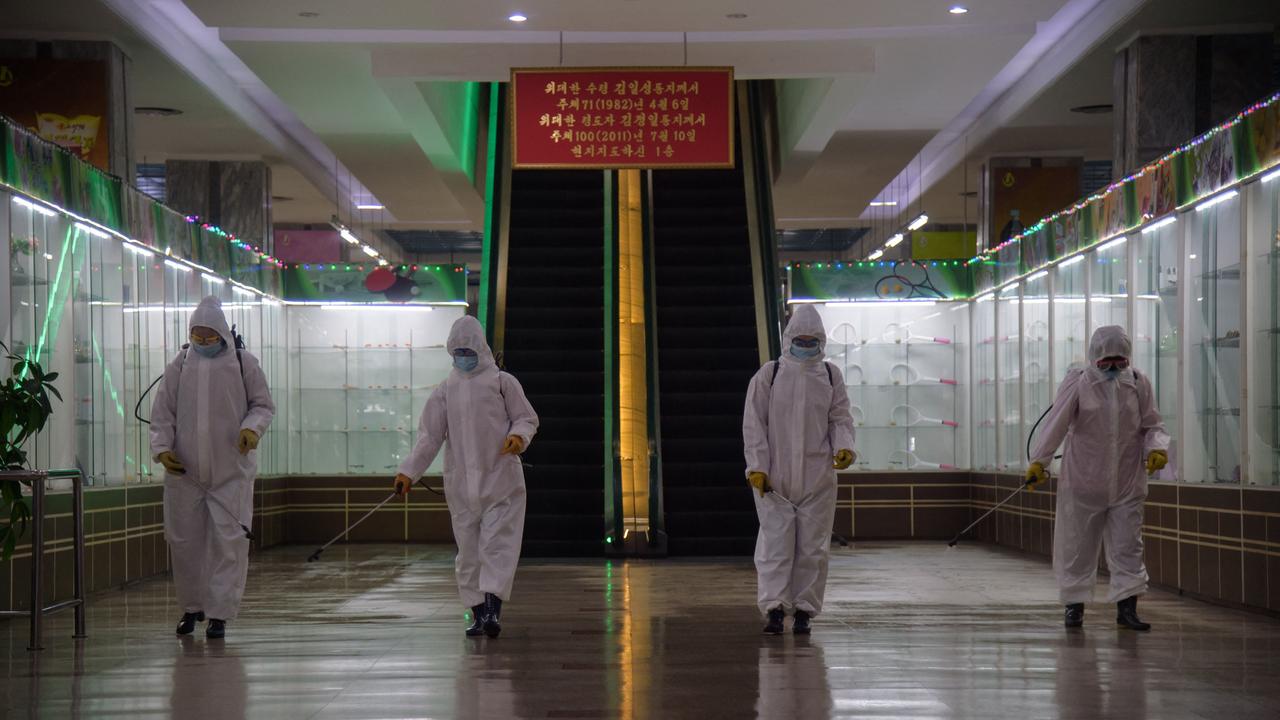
{"type": "Point", "coordinates": [800, 626]}
{"type": "Point", "coordinates": [216, 630]}
{"type": "Point", "coordinates": [477, 621]}
{"type": "Point", "coordinates": [1127, 615]}
{"type": "Point", "coordinates": [774, 627]}
{"type": "Point", "coordinates": [187, 624]}
{"type": "Point", "coordinates": [1075, 615]}
{"type": "Point", "coordinates": [492, 615]}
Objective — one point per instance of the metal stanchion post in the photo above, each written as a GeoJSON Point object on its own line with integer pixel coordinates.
{"type": "Point", "coordinates": [37, 562]}
{"type": "Point", "coordinates": [77, 512]}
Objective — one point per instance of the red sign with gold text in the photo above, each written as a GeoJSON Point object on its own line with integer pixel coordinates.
{"type": "Point", "coordinates": [622, 118]}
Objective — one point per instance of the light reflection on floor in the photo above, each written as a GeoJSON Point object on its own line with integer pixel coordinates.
{"type": "Point", "coordinates": [911, 631]}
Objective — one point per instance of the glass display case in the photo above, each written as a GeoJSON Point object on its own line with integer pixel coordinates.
{"type": "Point", "coordinates": [359, 380]}
{"type": "Point", "coordinates": [1037, 382]}
{"type": "Point", "coordinates": [1009, 369]}
{"type": "Point", "coordinates": [1211, 354]}
{"type": "Point", "coordinates": [1263, 278]}
{"type": "Point", "coordinates": [1155, 336]}
{"type": "Point", "coordinates": [984, 383]}
{"type": "Point", "coordinates": [1109, 284]}
{"type": "Point", "coordinates": [903, 370]}
{"type": "Point", "coordinates": [1070, 326]}
{"type": "Point", "coordinates": [107, 316]}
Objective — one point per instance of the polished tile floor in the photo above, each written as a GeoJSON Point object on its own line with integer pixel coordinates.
{"type": "Point", "coordinates": [912, 631]}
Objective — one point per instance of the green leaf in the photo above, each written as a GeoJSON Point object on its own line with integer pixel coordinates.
{"type": "Point", "coordinates": [50, 377]}
{"type": "Point", "coordinates": [55, 392]}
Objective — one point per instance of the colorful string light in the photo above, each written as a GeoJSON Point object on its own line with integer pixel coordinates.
{"type": "Point", "coordinates": [1119, 184]}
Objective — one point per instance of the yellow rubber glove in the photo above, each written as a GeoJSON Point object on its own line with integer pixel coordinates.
{"type": "Point", "coordinates": [844, 458]}
{"type": "Point", "coordinates": [1156, 459]}
{"type": "Point", "coordinates": [403, 484]}
{"type": "Point", "coordinates": [513, 446]}
{"type": "Point", "coordinates": [248, 441]}
{"type": "Point", "coordinates": [759, 481]}
{"type": "Point", "coordinates": [171, 463]}
{"type": "Point", "coordinates": [1036, 474]}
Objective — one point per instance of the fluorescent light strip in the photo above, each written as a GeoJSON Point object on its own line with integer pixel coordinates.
{"type": "Point", "coordinates": [91, 230]}
{"type": "Point", "coordinates": [919, 222]}
{"type": "Point", "coordinates": [1113, 244]}
{"type": "Point", "coordinates": [1037, 276]}
{"type": "Point", "coordinates": [1071, 261]}
{"type": "Point", "coordinates": [380, 308]}
{"type": "Point", "coordinates": [883, 203]}
{"type": "Point", "coordinates": [138, 249]}
{"type": "Point", "coordinates": [346, 235]}
{"type": "Point", "coordinates": [1010, 288]}
{"type": "Point", "coordinates": [1163, 223]}
{"type": "Point", "coordinates": [212, 279]}
{"type": "Point", "coordinates": [876, 255]}
{"type": "Point", "coordinates": [883, 303]}
{"type": "Point", "coordinates": [370, 207]}
{"type": "Point", "coordinates": [893, 241]}
{"type": "Point", "coordinates": [34, 206]}
{"type": "Point", "coordinates": [368, 251]}
{"type": "Point", "coordinates": [984, 298]}
{"type": "Point", "coordinates": [1271, 176]}
{"type": "Point", "coordinates": [177, 265]}
{"type": "Point", "coordinates": [1216, 199]}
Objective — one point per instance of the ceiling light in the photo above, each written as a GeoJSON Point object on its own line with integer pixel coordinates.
{"type": "Point", "coordinates": [1271, 176]}
{"type": "Point", "coordinates": [370, 207]}
{"type": "Point", "coordinates": [346, 235]}
{"type": "Point", "coordinates": [308, 14]}
{"type": "Point", "coordinates": [883, 203]}
{"type": "Point", "coordinates": [368, 251]}
{"type": "Point", "coordinates": [876, 255]}
{"type": "Point", "coordinates": [919, 222]}
{"type": "Point", "coordinates": [517, 18]}
{"type": "Point", "coordinates": [155, 110]}
{"type": "Point", "coordinates": [737, 16]}
{"type": "Point", "coordinates": [177, 266]}
{"type": "Point", "coordinates": [893, 241]}
{"type": "Point", "coordinates": [958, 10]}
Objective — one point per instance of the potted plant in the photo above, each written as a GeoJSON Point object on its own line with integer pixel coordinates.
{"type": "Point", "coordinates": [24, 410]}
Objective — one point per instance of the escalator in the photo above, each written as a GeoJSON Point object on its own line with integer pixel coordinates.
{"type": "Point", "coordinates": [553, 343]}
{"type": "Point", "coordinates": [707, 353]}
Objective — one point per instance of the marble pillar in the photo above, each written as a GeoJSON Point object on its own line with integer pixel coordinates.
{"type": "Point", "coordinates": [1167, 89]}
{"type": "Point", "coordinates": [235, 196]}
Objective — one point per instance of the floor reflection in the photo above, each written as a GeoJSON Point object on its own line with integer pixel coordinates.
{"type": "Point", "coordinates": [908, 632]}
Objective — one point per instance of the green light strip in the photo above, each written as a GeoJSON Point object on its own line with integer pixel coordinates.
{"type": "Point", "coordinates": [610, 318]}
{"type": "Point", "coordinates": [57, 299]}
{"type": "Point", "coordinates": [490, 180]}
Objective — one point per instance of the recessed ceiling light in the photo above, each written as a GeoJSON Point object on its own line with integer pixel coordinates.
{"type": "Point", "coordinates": [958, 10]}
{"type": "Point", "coordinates": [1100, 109]}
{"type": "Point", "coordinates": [153, 110]}
{"type": "Point", "coordinates": [518, 17]}
{"type": "Point", "coordinates": [309, 14]}
{"type": "Point", "coordinates": [737, 16]}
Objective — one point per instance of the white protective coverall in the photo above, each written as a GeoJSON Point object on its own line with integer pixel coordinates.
{"type": "Point", "coordinates": [200, 408]}
{"type": "Point", "coordinates": [1110, 426]}
{"type": "Point", "coordinates": [472, 414]}
{"type": "Point", "coordinates": [792, 426]}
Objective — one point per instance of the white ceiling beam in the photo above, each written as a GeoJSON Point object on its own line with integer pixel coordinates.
{"type": "Point", "coordinates": [1059, 43]}
{"type": "Point", "coordinates": [174, 30]}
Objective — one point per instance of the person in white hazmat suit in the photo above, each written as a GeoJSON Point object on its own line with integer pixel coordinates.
{"type": "Point", "coordinates": [210, 411]}
{"type": "Point", "coordinates": [1107, 414]}
{"type": "Point", "coordinates": [796, 431]}
{"type": "Point", "coordinates": [483, 419]}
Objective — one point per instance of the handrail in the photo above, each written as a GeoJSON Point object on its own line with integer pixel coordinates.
{"type": "Point", "coordinates": [37, 610]}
